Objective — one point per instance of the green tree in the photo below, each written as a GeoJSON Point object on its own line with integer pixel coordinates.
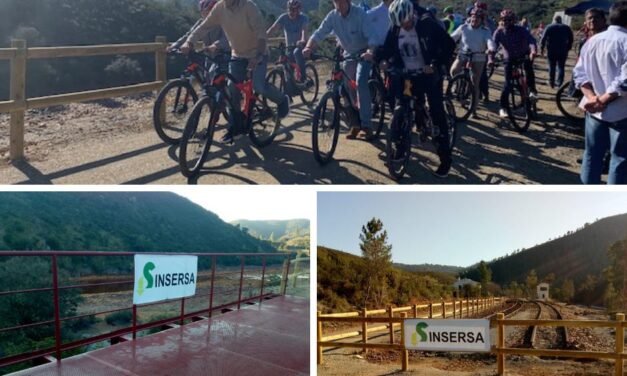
{"type": "Point", "coordinates": [485, 277]}
{"type": "Point", "coordinates": [377, 254]}
{"type": "Point", "coordinates": [616, 274]}
{"type": "Point", "coordinates": [568, 290]}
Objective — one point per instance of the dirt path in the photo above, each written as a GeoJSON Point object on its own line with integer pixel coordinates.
{"type": "Point", "coordinates": [113, 143]}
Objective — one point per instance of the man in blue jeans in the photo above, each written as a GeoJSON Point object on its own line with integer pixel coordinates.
{"type": "Point", "coordinates": [245, 29]}
{"type": "Point", "coordinates": [600, 73]}
{"type": "Point", "coordinates": [558, 40]}
{"type": "Point", "coordinates": [350, 25]}
{"type": "Point", "coordinates": [294, 24]}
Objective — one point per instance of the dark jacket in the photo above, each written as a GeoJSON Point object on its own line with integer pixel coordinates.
{"type": "Point", "coordinates": [558, 39]}
{"type": "Point", "coordinates": [436, 45]}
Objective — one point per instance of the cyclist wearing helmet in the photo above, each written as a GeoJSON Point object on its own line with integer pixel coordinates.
{"type": "Point", "coordinates": [517, 44]}
{"type": "Point", "coordinates": [477, 39]}
{"type": "Point", "coordinates": [294, 25]}
{"type": "Point", "coordinates": [449, 20]}
{"type": "Point", "coordinates": [245, 29]}
{"type": "Point", "coordinates": [214, 39]}
{"type": "Point", "coordinates": [350, 25]}
{"type": "Point", "coordinates": [420, 45]}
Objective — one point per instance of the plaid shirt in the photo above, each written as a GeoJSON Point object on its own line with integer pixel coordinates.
{"type": "Point", "coordinates": [516, 42]}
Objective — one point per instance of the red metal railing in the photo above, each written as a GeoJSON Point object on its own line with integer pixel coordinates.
{"type": "Point", "coordinates": [135, 326]}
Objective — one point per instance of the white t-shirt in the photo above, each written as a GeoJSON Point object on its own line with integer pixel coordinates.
{"type": "Point", "coordinates": [409, 47]}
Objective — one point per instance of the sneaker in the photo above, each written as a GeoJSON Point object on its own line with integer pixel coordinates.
{"type": "Point", "coordinates": [352, 134]}
{"type": "Point", "coordinates": [503, 113]}
{"type": "Point", "coordinates": [443, 170]}
{"type": "Point", "coordinates": [366, 134]}
{"type": "Point", "coordinates": [533, 96]}
{"type": "Point", "coordinates": [284, 107]}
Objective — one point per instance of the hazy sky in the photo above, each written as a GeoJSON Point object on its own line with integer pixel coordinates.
{"type": "Point", "coordinates": [259, 202]}
{"type": "Point", "coordinates": [459, 228]}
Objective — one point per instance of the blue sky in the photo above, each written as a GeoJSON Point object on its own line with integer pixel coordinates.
{"type": "Point", "coordinates": [459, 228]}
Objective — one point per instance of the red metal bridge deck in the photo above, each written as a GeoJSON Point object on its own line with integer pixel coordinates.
{"type": "Point", "coordinates": [271, 338]}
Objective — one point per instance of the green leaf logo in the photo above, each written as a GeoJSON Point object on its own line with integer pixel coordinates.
{"type": "Point", "coordinates": [420, 331]}
{"type": "Point", "coordinates": [147, 269]}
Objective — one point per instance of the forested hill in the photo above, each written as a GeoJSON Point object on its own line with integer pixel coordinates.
{"type": "Point", "coordinates": [116, 221]}
{"type": "Point", "coordinates": [573, 256]}
{"type": "Point", "coordinates": [274, 228]}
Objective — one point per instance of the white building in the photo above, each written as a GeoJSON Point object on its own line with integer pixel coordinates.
{"type": "Point", "coordinates": [543, 291]}
{"type": "Point", "coordinates": [460, 286]}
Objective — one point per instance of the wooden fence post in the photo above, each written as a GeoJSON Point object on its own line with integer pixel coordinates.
{"type": "Point", "coordinates": [443, 309]}
{"type": "Point", "coordinates": [454, 313]}
{"type": "Point", "coordinates": [18, 94]}
{"type": "Point", "coordinates": [620, 344]}
{"type": "Point", "coordinates": [391, 315]}
{"type": "Point", "coordinates": [319, 348]}
{"type": "Point", "coordinates": [415, 310]}
{"type": "Point", "coordinates": [404, 352]}
{"type": "Point", "coordinates": [430, 310]}
{"type": "Point", "coordinates": [364, 329]}
{"type": "Point", "coordinates": [500, 357]}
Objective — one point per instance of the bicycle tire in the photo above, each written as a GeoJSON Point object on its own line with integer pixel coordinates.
{"type": "Point", "coordinates": [568, 105]}
{"type": "Point", "coordinates": [461, 91]}
{"type": "Point", "coordinates": [378, 105]}
{"type": "Point", "coordinates": [264, 124]}
{"type": "Point", "coordinates": [311, 73]}
{"type": "Point", "coordinates": [451, 120]}
{"type": "Point", "coordinates": [519, 109]}
{"type": "Point", "coordinates": [321, 130]}
{"type": "Point", "coordinates": [398, 144]}
{"type": "Point", "coordinates": [172, 135]}
{"type": "Point", "coordinates": [198, 139]}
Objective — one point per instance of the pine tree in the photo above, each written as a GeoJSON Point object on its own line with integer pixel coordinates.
{"type": "Point", "coordinates": [378, 259]}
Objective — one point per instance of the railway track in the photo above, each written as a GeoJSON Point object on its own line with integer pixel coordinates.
{"type": "Point", "coordinates": [539, 336]}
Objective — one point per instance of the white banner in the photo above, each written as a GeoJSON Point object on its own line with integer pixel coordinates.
{"type": "Point", "coordinates": [447, 335]}
{"type": "Point", "coordinates": [164, 277]}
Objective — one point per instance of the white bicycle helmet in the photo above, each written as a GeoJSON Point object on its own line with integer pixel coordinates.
{"type": "Point", "coordinates": [401, 11]}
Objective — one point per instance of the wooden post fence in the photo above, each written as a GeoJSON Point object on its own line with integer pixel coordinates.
{"type": "Point", "coordinates": [19, 55]}
{"type": "Point", "coordinates": [364, 329]}
{"type": "Point", "coordinates": [319, 348]}
{"type": "Point", "coordinates": [404, 352]}
{"type": "Point", "coordinates": [391, 315]}
{"type": "Point", "coordinates": [500, 357]}
{"type": "Point", "coordinates": [620, 344]}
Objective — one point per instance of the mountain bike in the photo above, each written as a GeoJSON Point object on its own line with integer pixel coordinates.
{"type": "Point", "coordinates": [567, 99]}
{"type": "Point", "coordinates": [413, 109]}
{"type": "Point", "coordinates": [286, 76]}
{"type": "Point", "coordinates": [461, 90]}
{"type": "Point", "coordinates": [338, 105]}
{"type": "Point", "coordinates": [520, 108]}
{"type": "Point", "coordinates": [177, 98]}
{"type": "Point", "coordinates": [253, 116]}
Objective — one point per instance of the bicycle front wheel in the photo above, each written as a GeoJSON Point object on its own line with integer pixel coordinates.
{"type": "Point", "coordinates": [569, 104]}
{"type": "Point", "coordinates": [462, 93]}
{"type": "Point", "coordinates": [309, 94]}
{"type": "Point", "coordinates": [378, 105]}
{"type": "Point", "coordinates": [264, 123]}
{"type": "Point", "coordinates": [173, 104]}
{"type": "Point", "coordinates": [197, 137]}
{"type": "Point", "coordinates": [326, 128]}
{"type": "Point", "coordinates": [519, 108]}
{"type": "Point", "coordinates": [398, 144]}
{"type": "Point", "coordinates": [451, 122]}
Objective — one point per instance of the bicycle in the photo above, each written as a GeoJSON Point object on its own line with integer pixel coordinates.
{"type": "Point", "coordinates": [414, 109]}
{"type": "Point", "coordinates": [497, 62]}
{"type": "Point", "coordinates": [520, 108]}
{"type": "Point", "coordinates": [286, 77]}
{"type": "Point", "coordinates": [461, 89]}
{"type": "Point", "coordinates": [177, 97]}
{"type": "Point", "coordinates": [340, 102]}
{"type": "Point", "coordinates": [254, 115]}
{"type": "Point", "coordinates": [567, 99]}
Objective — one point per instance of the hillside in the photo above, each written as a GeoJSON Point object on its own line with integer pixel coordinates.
{"type": "Point", "coordinates": [116, 221]}
{"type": "Point", "coordinates": [341, 275]}
{"type": "Point", "coordinates": [430, 268]}
{"type": "Point", "coordinates": [574, 256]}
{"type": "Point", "coordinates": [292, 234]}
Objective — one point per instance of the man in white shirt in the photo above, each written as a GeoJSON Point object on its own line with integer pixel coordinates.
{"type": "Point", "coordinates": [600, 73]}
{"type": "Point", "coordinates": [475, 39]}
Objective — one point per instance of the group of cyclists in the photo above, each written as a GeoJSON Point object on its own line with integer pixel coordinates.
{"type": "Point", "coordinates": [397, 35]}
